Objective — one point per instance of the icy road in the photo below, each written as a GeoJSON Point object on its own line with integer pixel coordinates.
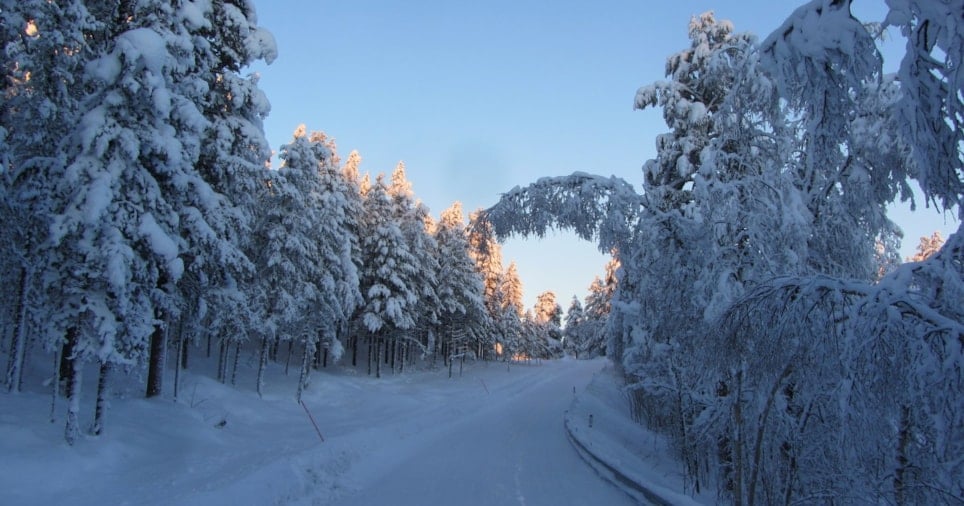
{"type": "Point", "coordinates": [512, 451]}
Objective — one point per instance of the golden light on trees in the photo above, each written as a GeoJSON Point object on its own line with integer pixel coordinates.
{"type": "Point", "coordinates": [31, 29]}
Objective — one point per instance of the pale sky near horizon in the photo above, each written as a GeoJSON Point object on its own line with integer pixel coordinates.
{"type": "Point", "coordinates": [479, 97]}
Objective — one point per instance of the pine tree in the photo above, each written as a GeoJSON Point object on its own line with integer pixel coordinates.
{"type": "Point", "coordinates": [44, 51]}
{"type": "Point", "coordinates": [288, 248]}
{"type": "Point", "coordinates": [927, 247]}
{"type": "Point", "coordinates": [487, 254]}
{"type": "Point", "coordinates": [387, 281]}
{"type": "Point", "coordinates": [575, 321]}
{"type": "Point", "coordinates": [350, 169]}
{"type": "Point", "coordinates": [133, 200]}
{"type": "Point", "coordinates": [512, 288]}
{"type": "Point", "coordinates": [460, 288]}
{"type": "Point", "coordinates": [232, 160]}
{"type": "Point", "coordinates": [411, 217]}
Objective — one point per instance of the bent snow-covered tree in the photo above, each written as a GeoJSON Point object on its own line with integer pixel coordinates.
{"type": "Point", "coordinates": [758, 182]}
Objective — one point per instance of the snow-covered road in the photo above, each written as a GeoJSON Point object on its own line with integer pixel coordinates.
{"type": "Point", "coordinates": [513, 451]}
{"type": "Point", "coordinates": [490, 436]}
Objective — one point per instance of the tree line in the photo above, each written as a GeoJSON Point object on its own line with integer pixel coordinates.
{"type": "Point", "coordinates": [143, 229]}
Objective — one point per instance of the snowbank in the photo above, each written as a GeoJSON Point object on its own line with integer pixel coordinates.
{"type": "Point", "coordinates": [634, 459]}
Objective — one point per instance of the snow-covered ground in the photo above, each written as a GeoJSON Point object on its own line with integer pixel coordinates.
{"type": "Point", "coordinates": [491, 436]}
{"type": "Point", "coordinates": [636, 460]}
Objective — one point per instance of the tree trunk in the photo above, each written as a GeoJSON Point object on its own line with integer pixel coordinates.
{"type": "Point", "coordinates": [209, 344]}
{"type": "Point", "coordinates": [690, 466]}
{"type": "Point", "coordinates": [370, 351]}
{"type": "Point", "coordinates": [18, 345]}
{"type": "Point", "coordinates": [291, 345]}
{"type": "Point", "coordinates": [155, 364]}
{"type": "Point", "coordinates": [234, 363]}
{"type": "Point", "coordinates": [305, 368]}
{"type": "Point", "coordinates": [378, 361]}
{"type": "Point", "coordinates": [903, 462]}
{"type": "Point", "coordinates": [177, 367]}
{"type": "Point", "coordinates": [223, 361]}
{"type": "Point", "coordinates": [738, 442]}
{"type": "Point", "coordinates": [263, 364]}
{"type": "Point", "coordinates": [100, 408]}
{"type": "Point", "coordinates": [354, 351]}
{"type": "Point", "coordinates": [54, 387]}
{"type": "Point", "coordinates": [761, 430]}
{"type": "Point", "coordinates": [71, 429]}
{"type": "Point", "coordinates": [317, 360]}
{"type": "Point", "coordinates": [67, 359]}
{"type": "Point", "coordinates": [184, 352]}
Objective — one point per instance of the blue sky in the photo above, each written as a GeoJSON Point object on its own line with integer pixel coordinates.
{"type": "Point", "coordinates": [478, 97]}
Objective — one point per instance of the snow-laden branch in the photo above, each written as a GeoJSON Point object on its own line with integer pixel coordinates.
{"type": "Point", "coordinates": [601, 209]}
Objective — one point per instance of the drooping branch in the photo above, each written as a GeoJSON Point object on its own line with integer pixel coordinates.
{"type": "Point", "coordinates": [604, 210]}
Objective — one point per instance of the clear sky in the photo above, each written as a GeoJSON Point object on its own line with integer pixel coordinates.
{"type": "Point", "coordinates": [479, 97]}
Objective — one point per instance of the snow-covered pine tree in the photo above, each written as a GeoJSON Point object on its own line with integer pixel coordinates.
{"type": "Point", "coordinates": [331, 273]}
{"type": "Point", "coordinates": [388, 286]}
{"type": "Point", "coordinates": [596, 312]}
{"type": "Point", "coordinates": [231, 161]}
{"type": "Point", "coordinates": [354, 215]}
{"type": "Point", "coordinates": [487, 254]}
{"type": "Point", "coordinates": [512, 288]}
{"type": "Point", "coordinates": [131, 201]}
{"type": "Point", "coordinates": [460, 288]}
{"type": "Point", "coordinates": [572, 336]}
{"type": "Point", "coordinates": [927, 247]}
{"type": "Point", "coordinates": [411, 217]}
{"type": "Point", "coordinates": [342, 205]}
{"type": "Point", "coordinates": [350, 170]}
{"type": "Point", "coordinates": [44, 49]}
{"type": "Point", "coordinates": [547, 310]}
{"type": "Point", "coordinates": [287, 249]}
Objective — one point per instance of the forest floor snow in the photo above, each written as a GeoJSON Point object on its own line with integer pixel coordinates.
{"type": "Point", "coordinates": [493, 435]}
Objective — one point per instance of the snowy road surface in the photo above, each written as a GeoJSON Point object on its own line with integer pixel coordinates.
{"type": "Point", "coordinates": [513, 452]}
{"type": "Point", "coordinates": [491, 436]}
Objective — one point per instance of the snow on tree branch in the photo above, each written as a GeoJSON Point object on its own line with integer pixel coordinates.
{"type": "Point", "coordinates": [600, 209]}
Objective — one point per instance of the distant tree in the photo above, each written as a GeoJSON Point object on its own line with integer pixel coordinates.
{"type": "Point", "coordinates": [547, 310]}
{"type": "Point", "coordinates": [512, 288]}
{"type": "Point", "coordinates": [572, 333]}
{"type": "Point", "coordinates": [547, 320]}
{"type": "Point", "coordinates": [460, 288]}
{"type": "Point", "coordinates": [487, 253]}
{"type": "Point", "coordinates": [927, 247]}
{"type": "Point", "coordinates": [350, 168]}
